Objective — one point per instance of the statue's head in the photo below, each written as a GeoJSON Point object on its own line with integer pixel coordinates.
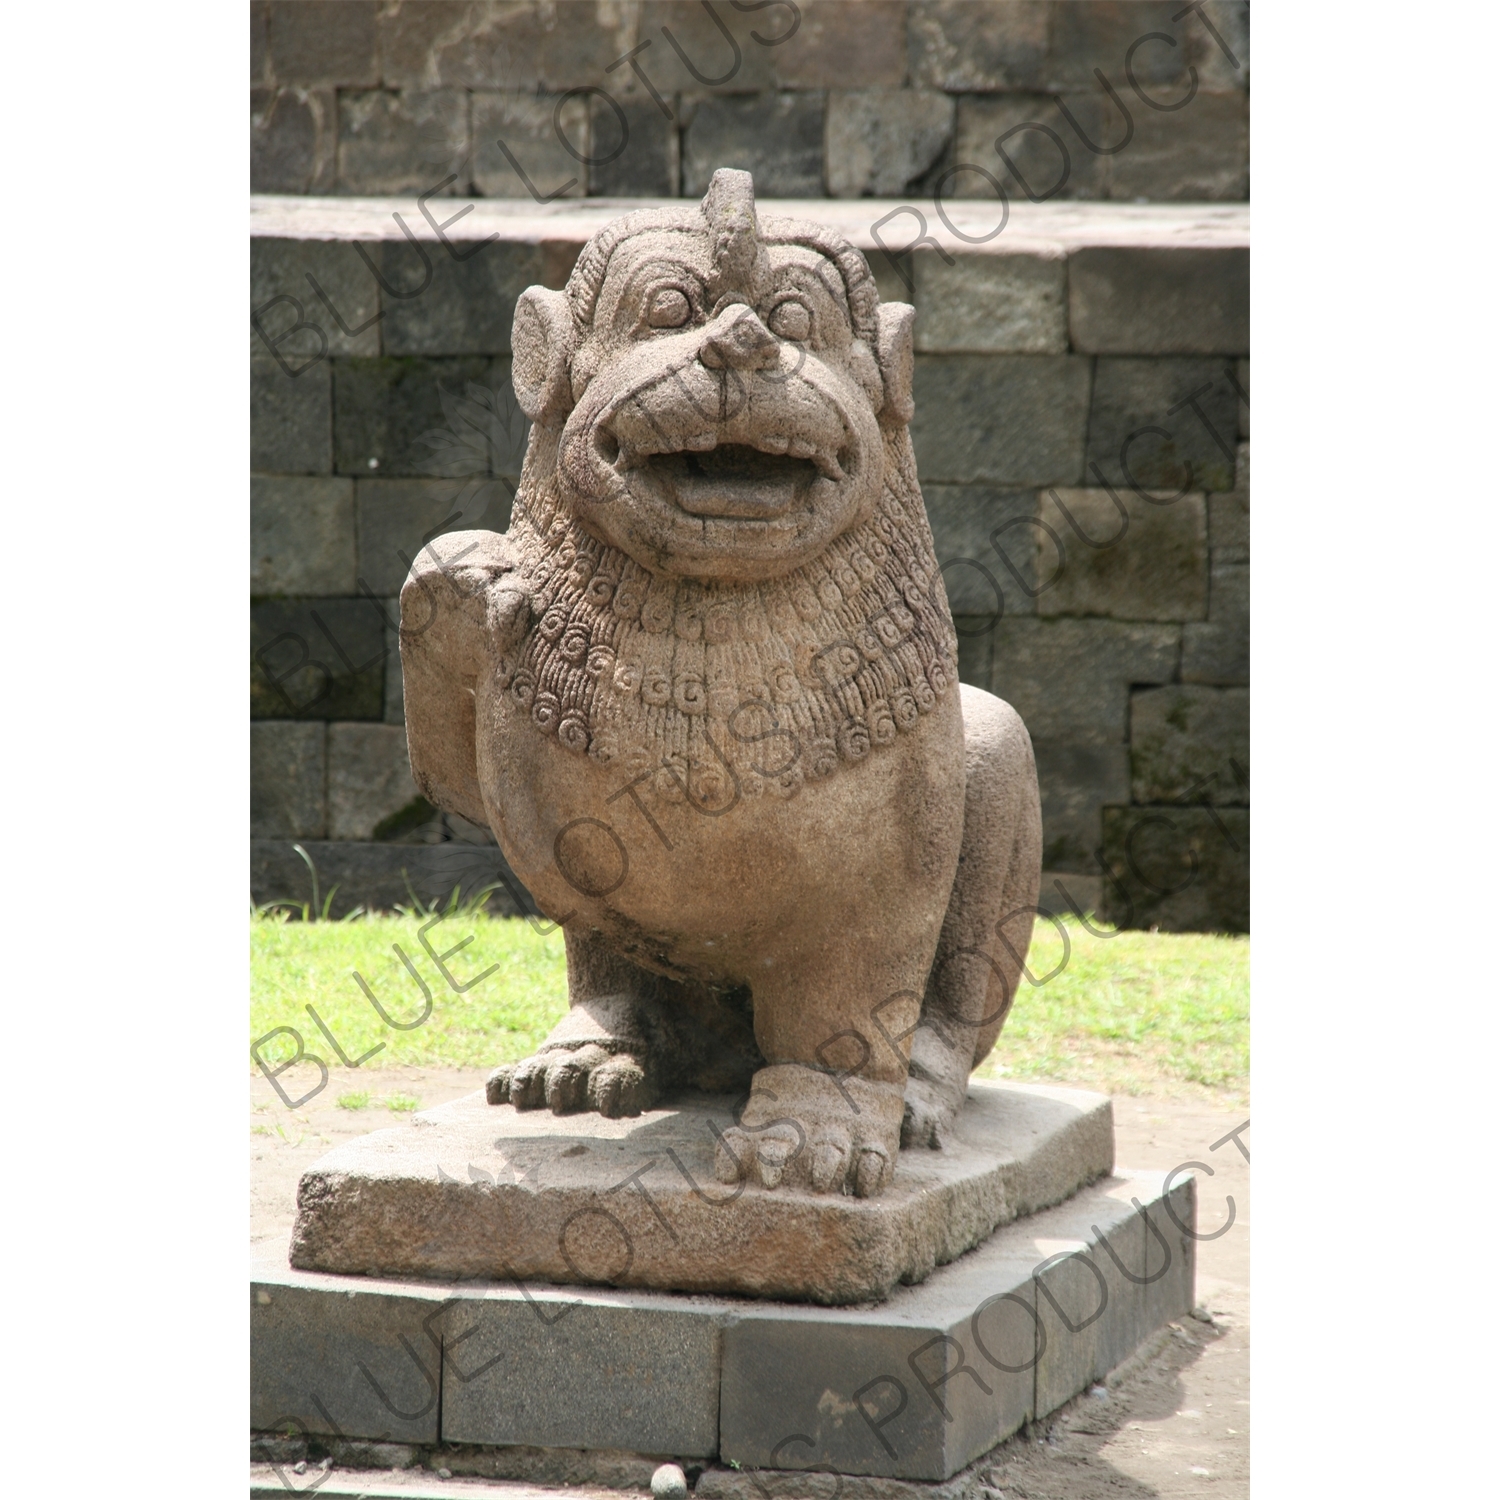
{"type": "Point", "coordinates": [723, 387]}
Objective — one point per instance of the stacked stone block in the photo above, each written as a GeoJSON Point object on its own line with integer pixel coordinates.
{"type": "Point", "coordinates": [843, 98]}
{"type": "Point", "coordinates": [1081, 434]}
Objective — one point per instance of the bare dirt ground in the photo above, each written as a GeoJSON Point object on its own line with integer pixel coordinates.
{"type": "Point", "coordinates": [1175, 1421]}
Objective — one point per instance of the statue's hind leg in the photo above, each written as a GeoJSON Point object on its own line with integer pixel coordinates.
{"type": "Point", "coordinates": [987, 928]}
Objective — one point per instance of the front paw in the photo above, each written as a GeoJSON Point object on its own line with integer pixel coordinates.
{"type": "Point", "coordinates": [812, 1130]}
{"type": "Point", "coordinates": [568, 1079]}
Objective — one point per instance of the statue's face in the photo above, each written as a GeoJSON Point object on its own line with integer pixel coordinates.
{"type": "Point", "coordinates": [723, 428]}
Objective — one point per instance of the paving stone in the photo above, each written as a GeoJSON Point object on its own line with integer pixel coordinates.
{"type": "Point", "coordinates": [1047, 166]}
{"type": "Point", "coordinates": [381, 876]}
{"type": "Point", "coordinates": [1089, 34]}
{"type": "Point", "coordinates": [1199, 154]}
{"type": "Point", "coordinates": [301, 535]}
{"type": "Point", "coordinates": [443, 43]}
{"type": "Point", "coordinates": [1149, 564]}
{"type": "Point", "coordinates": [740, 66]}
{"type": "Point", "coordinates": [293, 140]}
{"type": "Point", "coordinates": [316, 659]}
{"type": "Point", "coordinates": [777, 137]}
{"type": "Point", "coordinates": [324, 43]}
{"type": "Point", "coordinates": [369, 781]}
{"type": "Point", "coordinates": [962, 47]}
{"type": "Point", "coordinates": [992, 303]}
{"type": "Point", "coordinates": [1132, 414]}
{"type": "Point", "coordinates": [397, 517]}
{"type": "Point", "coordinates": [383, 407]}
{"type": "Point", "coordinates": [1189, 742]}
{"type": "Point", "coordinates": [1076, 782]}
{"type": "Point", "coordinates": [1092, 1315]}
{"type": "Point", "coordinates": [1070, 679]}
{"type": "Point", "coordinates": [970, 524]}
{"type": "Point", "coordinates": [1178, 869]}
{"type": "Point", "coordinates": [647, 167]}
{"type": "Point", "coordinates": [533, 129]}
{"type": "Point", "coordinates": [287, 763]}
{"type": "Point", "coordinates": [881, 140]}
{"type": "Point", "coordinates": [291, 419]}
{"type": "Point", "coordinates": [841, 44]}
{"type": "Point", "coordinates": [637, 1376]}
{"type": "Point", "coordinates": [402, 141]}
{"type": "Point", "coordinates": [369, 1362]}
{"type": "Point", "coordinates": [279, 269]}
{"type": "Point", "coordinates": [1218, 651]}
{"type": "Point", "coordinates": [1149, 299]}
{"type": "Point", "coordinates": [1009, 419]}
{"type": "Point", "coordinates": [1229, 515]}
{"type": "Point", "coordinates": [451, 305]}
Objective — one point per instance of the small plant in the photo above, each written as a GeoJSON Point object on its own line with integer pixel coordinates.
{"type": "Point", "coordinates": [356, 1100]}
{"type": "Point", "coordinates": [402, 1104]}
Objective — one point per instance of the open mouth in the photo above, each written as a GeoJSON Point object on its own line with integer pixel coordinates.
{"type": "Point", "coordinates": [731, 481]}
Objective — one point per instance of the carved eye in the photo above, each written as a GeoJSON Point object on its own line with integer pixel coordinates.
{"type": "Point", "coordinates": [669, 308]}
{"type": "Point", "coordinates": [790, 320]}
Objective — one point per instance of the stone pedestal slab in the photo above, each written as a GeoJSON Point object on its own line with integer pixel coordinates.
{"type": "Point", "coordinates": [475, 1190]}
{"type": "Point", "coordinates": [915, 1387]}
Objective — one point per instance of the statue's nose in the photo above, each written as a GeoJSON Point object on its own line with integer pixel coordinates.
{"type": "Point", "coordinates": [738, 340]}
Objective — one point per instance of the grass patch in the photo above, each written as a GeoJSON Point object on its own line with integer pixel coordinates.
{"type": "Point", "coordinates": [356, 1100]}
{"type": "Point", "coordinates": [1129, 1012]}
{"type": "Point", "coordinates": [402, 1104]}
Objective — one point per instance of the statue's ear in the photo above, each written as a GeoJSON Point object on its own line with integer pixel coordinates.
{"type": "Point", "coordinates": [893, 352]}
{"type": "Point", "coordinates": [541, 342]}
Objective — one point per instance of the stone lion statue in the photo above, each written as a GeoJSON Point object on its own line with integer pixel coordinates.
{"type": "Point", "coordinates": [704, 690]}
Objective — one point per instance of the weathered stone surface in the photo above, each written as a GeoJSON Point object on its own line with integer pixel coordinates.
{"type": "Point", "coordinates": [402, 141]}
{"type": "Point", "coordinates": [647, 167]}
{"type": "Point", "coordinates": [453, 306]}
{"type": "Point", "coordinates": [1065, 893]}
{"type": "Point", "coordinates": [530, 128]}
{"type": "Point", "coordinates": [294, 325]}
{"type": "Point", "coordinates": [324, 43]}
{"type": "Point", "coordinates": [1122, 556]}
{"type": "Point", "coordinates": [369, 783]}
{"type": "Point", "coordinates": [301, 535]}
{"type": "Point", "coordinates": [982, 536]}
{"type": "Point", "coordinates": [1009, 419]}
{"type": "Point", "coordinates": [992, 303]}
{"type": "Point", "coordinates": [540, 1208]}
{"type": "Point", "coordinates": [641, 1375]}
{"type": "Point", "coordinates": [1136, 435]}
{"type": "Point", "coordinates": [1178, 869]}
{"type": "Point", "coordinates": [842, 44]}
{"type": "Point", "coordinates": [287, 762]}
{"type": "Point", "coordinates": [879, 140]}
{"type": "Point", "coordinates": [370, 1362]}
{"type": "Point", "coordinates": [291, 419]}
{"type": "Point", "coordinates": [316, 659]}
{"type": "Point", "coordinates": [965, 48]}
{"type": "Point", "coordinates": [1077, 781]}
{"type": "Point", "coordinates": [1045, 163]}
{"type": "Point", "coordinates": [1199, 154]}
{"type": "Point", "coordinates": [1070, 679]}
{"type": "Point", "coordinates": [397, 517]}
{"type": "Point", "coordinates": [776, 137]}
{"type": "Point", "coordinates": [260, 43]}
{"type": "Point", "coordinates": [1229, 515]}
{"type": "Point", "coordinates": [732, 385]}
{"type": "Point", "coordinates": [1218, 651]}
{"type": "Point", "coordinates": [1135, 299]}
{"type": "Point", "coordinates": [395, 705]}
{"type": "Point", "coordinates": [1190, 743]}
{"type": "Point", "coordinates": [293, 140]}
{"type": "Point", "coordinates": [1093, 34]}
{"type": "Point", "coordinates": [1242, 376]}
{"type": "Point", "coordinates": [383, 408]}
{"type": "Point", "coordinates": [703, 57]}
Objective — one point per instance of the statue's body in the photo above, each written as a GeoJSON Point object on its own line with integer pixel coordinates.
{"type": "Point", "coordinates": [705, 692]}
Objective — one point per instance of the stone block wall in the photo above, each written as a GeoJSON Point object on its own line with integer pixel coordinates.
{"type": "Point", "coordinates": [546, 99]}
{"type": "Point", "coordinates": [1081, 430]}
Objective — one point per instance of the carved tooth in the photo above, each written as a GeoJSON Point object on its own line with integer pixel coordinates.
{"type": "Point", "coordinates": [701, 441]}
{"type": "Point", "coordinates": [828, 466]}
{"type": "Point", "coordinates": [773, 444]}
{"type": "Point", "coordinates": [801, 448]}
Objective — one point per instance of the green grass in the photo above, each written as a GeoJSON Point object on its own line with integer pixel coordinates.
{"type": "Point", "coordinates": [1134, 1012]}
